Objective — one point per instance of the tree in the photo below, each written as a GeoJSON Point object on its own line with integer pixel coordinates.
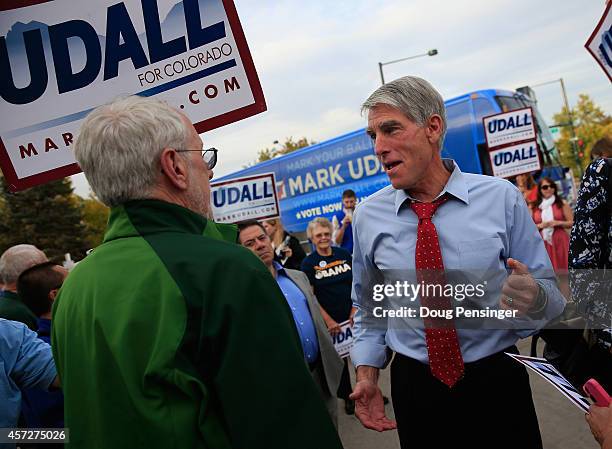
{"type": "Point", "coordinates": [48, 216]}
{"type": "Point", "coordinates": [95, 218]}
{"type": "Point", "coordinates": [591, 124]}
{"type": "Point", "coordinates": [289, 146]}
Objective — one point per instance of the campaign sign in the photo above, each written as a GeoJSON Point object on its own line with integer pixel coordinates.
{"type": "Point", "coordinates": [509, 127]}
{"type": "Point", "coordinates": [60, 59]}
{"type": "Point", "coordinates": [515, 159]}
{"type": "Point", "coordinates": [253, 197]}
{"type": "Point", "coordinates": [600, 42]}
{"type": "Point", "coordinates": [343, 342]}
{"type": "Point", "coordinates": [553, 376]}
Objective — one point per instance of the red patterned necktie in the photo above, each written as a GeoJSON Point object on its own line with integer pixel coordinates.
{"type": "Point", "coordinates": [445, 360]}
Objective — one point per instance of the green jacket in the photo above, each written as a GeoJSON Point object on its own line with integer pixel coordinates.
{"type": "Point", "coordinates": [167, 336]}
{"type": "Point", "coordinates": [11, 308]}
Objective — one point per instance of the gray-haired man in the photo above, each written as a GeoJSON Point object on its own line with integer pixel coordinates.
{"type": "Point", "coordinates": [449, 382]}
{"type": "Point", "coordinates": [175, 336]}
{"type": "Point", "coordinates": [13, 262]}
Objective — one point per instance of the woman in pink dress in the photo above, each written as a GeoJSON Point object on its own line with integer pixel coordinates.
{"type": "Point", "coordinates": [553, 216]}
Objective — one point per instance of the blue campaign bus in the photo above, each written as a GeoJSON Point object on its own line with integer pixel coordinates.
{"type": "Point", "coordinates": [310, 181]}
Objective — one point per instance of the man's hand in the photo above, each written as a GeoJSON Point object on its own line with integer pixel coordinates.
{"type": "Point", "coordinates": [520, 289]}
{"type": "Point", "coordinates": [346, 221]}
{"type": "Point", "coordinates": [600, 422]}
{"type": "Point", "coordinates": [369, 405]}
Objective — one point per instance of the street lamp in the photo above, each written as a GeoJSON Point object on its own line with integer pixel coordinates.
{"type": "Point", "coordinates": [570, 117]}
{"type": "Point", "coordinates": [431, 52]}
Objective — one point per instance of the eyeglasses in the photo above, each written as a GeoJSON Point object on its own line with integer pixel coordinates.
{"type": "Point", "coordinates": [209, 156]}
{"type": "Point", "coordinates": [546, 187]}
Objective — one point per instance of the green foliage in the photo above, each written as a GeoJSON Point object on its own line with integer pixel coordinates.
{"type": "Point", "coordinates": [591, 124]}
{"type": "Point", "coordinates": [95, 218]}
{"type": "Point", "coordinates": [289, 146]}
{"type": "Point", "coordinates": [48, 216]}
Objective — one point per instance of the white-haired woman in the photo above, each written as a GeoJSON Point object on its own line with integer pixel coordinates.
{"type": "Point", "coordinates": [329, 269]}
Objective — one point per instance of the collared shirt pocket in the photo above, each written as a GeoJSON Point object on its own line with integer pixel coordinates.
{"type": "Point", "coordinates": [482, 254]}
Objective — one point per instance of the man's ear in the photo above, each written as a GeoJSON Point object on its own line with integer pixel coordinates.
{"type": "Point", "coordinates": [434, 128]}
{"type": "Point", "coordinates": [174, 168]}
{"type": "Point", "coordinates": [53, 294]}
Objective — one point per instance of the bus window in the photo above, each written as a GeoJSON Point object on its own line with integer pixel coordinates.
{"type": "Point", "coordinates": [459, 142]}
{"type": "Point", "coordinates": [483, 107]}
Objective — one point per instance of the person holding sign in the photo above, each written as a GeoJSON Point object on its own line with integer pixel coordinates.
{"type": "Point", "coordinates": [600, 422]}
{"type": "Point", "coordinates": [329, 270]}
{"type": "Point", "coordinates": [169, 334]}
{"type": "Point", "coordinates": [450, 386]}
{"type": "Point", "coordinates": [287, 248]}
{"type": "Point", "coordinates": [323, 361]}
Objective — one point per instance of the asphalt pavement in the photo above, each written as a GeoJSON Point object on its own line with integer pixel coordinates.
{"type": "Point", "coordinates": [562, 424]}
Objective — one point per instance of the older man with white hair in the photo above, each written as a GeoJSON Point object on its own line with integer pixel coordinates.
{"type": "Point", "coordinates": [168, 334]}
{"type": "Point", "coordinates": [13, 262]}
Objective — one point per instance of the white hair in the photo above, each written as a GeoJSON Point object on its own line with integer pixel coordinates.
{"type": "Point", "coordinates": [120, 144]}
{"type": "Point", "coordinates": [17, 259]}
{"type": "Point", "coordinates": [412, 96]}
{"type": "Point", "coordinates": [319, 221]}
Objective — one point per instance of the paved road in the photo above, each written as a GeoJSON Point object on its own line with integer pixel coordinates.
{"type": "Point", "coordinates": [562, 424]}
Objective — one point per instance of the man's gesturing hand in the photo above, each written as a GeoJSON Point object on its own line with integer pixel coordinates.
{"type": "Point", "coordinates": [369, 406]}
{"type": "Point", "coordinates": [520, 289]}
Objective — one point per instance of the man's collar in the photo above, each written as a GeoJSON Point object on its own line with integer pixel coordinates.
{"type": "Point", "coordinates": [455, 186]}
{"type": "Point", "coordinates": [44, 324]}
{"type": "Point", "coordinates": [279, 268]}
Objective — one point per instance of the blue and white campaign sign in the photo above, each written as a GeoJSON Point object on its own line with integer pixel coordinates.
{"type": "Point", "coordinates": [554, 377]}
{"type": "Point", "coordinates": [515, 159]}
{"type": "Point", "coordinates": [252, 197]}
{"type": "Point", "coordinates": [310, 182]}
{"type": "Point", "coordinates": [60, 59]}
{"type": "Point", "coordinates": [600, 42]}
{"type": "Point", "coordinates": [343, 342]}
{"type": "Point", "coordinates": [509, 127]}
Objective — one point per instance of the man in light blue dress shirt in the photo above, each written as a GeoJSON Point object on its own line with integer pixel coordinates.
{"type": "Point", "coordinates": [25, 362]}
{"type": "Point", "coordinates": [319, 353]}
{"type": "Point", "coordinates": [485, 232]}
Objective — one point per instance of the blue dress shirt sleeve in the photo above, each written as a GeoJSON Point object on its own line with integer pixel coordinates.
{"type": "Point", "coordinates": [527, 246]}
{"type": "Point", "coordinates": [33, 362]}
{"type": "Point", "coordinates": [370, 347]}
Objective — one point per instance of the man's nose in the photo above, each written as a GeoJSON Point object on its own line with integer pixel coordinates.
{"type": "Point", "coordinates": [380, 147]}
{"type": "Point", "coordinates": [210, 174]}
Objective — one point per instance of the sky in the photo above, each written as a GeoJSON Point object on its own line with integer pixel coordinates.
{"type": "Point", "coordinates": [317, 61]}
